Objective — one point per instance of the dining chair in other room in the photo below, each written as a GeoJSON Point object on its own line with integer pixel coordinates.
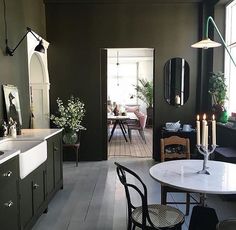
{"type": "Point", "coordinates": [138, 125]}
{"type": "Point", "coordinates": [229, 224]}
{"type": "Point", "coordinates": [175, 147]}
{"type": "Point", "coordinates": [203, 218]}
{"type": "Point", "coordinates": [153, 216]}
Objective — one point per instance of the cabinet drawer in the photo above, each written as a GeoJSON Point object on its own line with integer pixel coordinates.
{"type": "Point", "coordinates": [9, 207]}
{"type": "Point", "coordinates": [9, 171]}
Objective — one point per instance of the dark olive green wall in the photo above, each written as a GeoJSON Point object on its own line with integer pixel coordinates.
{"type": "Point", "coordinates": [13, 70]}
{"type": "Point", "coordinates": [77, 32]}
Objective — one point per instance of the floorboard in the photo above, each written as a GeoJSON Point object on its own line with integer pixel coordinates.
{"type": "Point", "coordinates": [118, 147]}
{"type": "Point", "coordinates": [93, 197]}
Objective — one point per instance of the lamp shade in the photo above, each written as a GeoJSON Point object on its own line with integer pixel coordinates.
{"type": "Point", "coordinates": [40, 48]}
{"type": "Point", "coordinates": [205, 44]}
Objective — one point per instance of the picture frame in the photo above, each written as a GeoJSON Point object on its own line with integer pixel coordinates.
{"type": "Point", "coordinates": [12, 103]}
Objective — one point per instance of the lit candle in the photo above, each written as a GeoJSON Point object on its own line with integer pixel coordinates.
{"type": "Point", "coordinates": [206, 132]}
{"type": "Point", "coordinates": [198, 130]}
{"type": "Point", "coordinates": [213, 130]}
{"type": "Point", "coordinates": [204, 123]}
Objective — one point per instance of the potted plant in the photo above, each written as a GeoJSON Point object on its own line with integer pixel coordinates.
{"type": "Point", "coordinates": [218, 92]}
{"type": "Point", "coordinates": [145, 93]}
{"type": "Point", "coordinates": [69, 117]}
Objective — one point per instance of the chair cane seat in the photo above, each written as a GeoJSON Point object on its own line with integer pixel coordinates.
{"type": "Point", "coordinates": [162, 216]}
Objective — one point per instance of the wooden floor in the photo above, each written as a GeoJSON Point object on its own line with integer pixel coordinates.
{"type": "Point", "coordinates": [93, 197]}
{"type": "Point", "coordinates": [137, 148]}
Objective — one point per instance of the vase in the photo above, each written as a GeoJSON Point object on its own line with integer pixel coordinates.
{"type": "Point", "coordinates": [223, 117]}
{"type": "Point", "coordinates": [70, 137]}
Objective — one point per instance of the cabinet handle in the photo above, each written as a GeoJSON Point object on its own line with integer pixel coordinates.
{"type": "Point", "coordinates": [35, 186]}
{"type": "Point", "coordinates": [55, 148]}
{"type": "Point", "coordinates": [9, 204]}
{"type": "Point", "coordinates": [7, 174]}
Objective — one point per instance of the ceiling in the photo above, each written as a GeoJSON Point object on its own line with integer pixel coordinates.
{"type": "Point", "coordinates": [127, 1]}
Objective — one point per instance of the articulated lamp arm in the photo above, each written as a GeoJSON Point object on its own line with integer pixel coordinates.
{"type": "Point", "coordinates": [208, 43]}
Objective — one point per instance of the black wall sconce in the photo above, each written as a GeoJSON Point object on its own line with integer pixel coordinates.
{"type": "Point", "coordinates": [39, 48]}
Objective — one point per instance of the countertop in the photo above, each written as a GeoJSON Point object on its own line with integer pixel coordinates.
{"type": "Point", "coordinates": [29, 135]}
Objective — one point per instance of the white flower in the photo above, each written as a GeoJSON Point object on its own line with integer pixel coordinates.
{"type": "Point", "coordinates": [69, 116]}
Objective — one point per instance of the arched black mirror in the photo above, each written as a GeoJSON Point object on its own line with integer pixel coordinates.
{"type": "Point", "coordinates": [176, 80]}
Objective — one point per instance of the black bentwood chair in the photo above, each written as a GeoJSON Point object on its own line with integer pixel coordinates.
{"type": "Point", "coordinates": [154, 216]}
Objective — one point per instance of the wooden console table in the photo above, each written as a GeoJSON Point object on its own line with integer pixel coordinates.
{"type": "Point", "coordinates": [75, 147]}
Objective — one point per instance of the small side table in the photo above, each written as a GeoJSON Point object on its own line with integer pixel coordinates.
{"type": "Point", "coordinates": [76, 149]}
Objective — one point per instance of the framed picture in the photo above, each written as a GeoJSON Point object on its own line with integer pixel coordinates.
{"type": "Point", "coordinates": [12, 103]}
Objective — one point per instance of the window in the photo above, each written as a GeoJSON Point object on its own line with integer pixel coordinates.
{"type": "Point", "coordinates": [230, 69]}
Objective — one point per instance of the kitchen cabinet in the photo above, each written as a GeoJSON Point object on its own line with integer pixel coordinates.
{"type": "Point", "coordinates": [54, 165]}
{"type": "Point", "coordinates": [9, 205]}
{"type": "Point", "coordinates": [33, 196]}
{"type": "Point", "coordinates": [22, 201]}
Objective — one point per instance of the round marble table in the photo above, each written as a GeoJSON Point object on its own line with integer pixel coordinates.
{"type": "Point", "coordinates": [182, 174]}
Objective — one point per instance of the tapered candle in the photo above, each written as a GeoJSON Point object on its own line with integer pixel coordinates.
{"type": "Point", "coordinates": [204, 123]}
{"type": "Point", "coordinates": [198, 130]}
{"type": "Point", "coordinates": [206, 132]}
{"type": "Point", "coordinates": [213, 130]}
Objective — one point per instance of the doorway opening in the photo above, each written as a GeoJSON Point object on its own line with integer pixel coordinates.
{"type": "Point", "coordinates": [130, 102]}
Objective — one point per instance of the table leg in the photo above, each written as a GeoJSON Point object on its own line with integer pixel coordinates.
{"type": "Point", "coordinates": [76, 156]}
{"type": "Point", "coordinates": [203, 199]}
{"type": "Point", "coordinates": [120, 124]}
{"type": "Point", "coordinates": [113, 129]}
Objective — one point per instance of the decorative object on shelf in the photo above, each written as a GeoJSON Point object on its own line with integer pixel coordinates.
{"type": "Point", "coordinates": [70, 137]}
{"type": "Point", "coordinates": [187, 128]}
{"type": "Point", "coordinates": [203, 146]}
{"type": "Point", "coordinates": [218, 92]}
{"type": "Point", "coordinates": [12, 127]}
{"type": "Point", "coordinates": [208, 43]}
{"type": "Point", "coordinates": [69, 118]}
{"type": "Point", "coordinates": [4, 129]}
{"type": "Point", "coordinates": [12, 103]}
{"type": "Point", "coordinates": [173, 126]}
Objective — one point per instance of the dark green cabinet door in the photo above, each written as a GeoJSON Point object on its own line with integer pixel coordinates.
{"type": "Point", "coordinates": [9, 207]}
{"type": "Point", "coordinates": [32, 195]}
{"type": "Point", "coordinates": [50, 166]}
{"type": "Point", "coordinates": [26, 200]}
{"type": "Point", "coordinates": [54, 164]}
{"type": "Point", "coordinates": [38, 188]}
{"type": "Point", "coordinates": [9, 194]}
{"type": "Point", "coordinates": [57, 158]}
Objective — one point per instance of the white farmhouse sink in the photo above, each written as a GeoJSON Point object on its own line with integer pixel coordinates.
{"type": "Point", "coordinates": [32, 154]}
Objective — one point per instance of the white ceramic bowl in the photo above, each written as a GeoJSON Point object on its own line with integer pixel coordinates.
{"type": "Point", "coordinates": [172, 126]}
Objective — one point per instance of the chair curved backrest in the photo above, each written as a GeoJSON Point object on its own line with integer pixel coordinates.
{"type": "Point", "coordinates": [121, 172]}
{"type": "Point", "coordinates": [175, 140]}
{"type": "Point", "coordinates": [142, 119]}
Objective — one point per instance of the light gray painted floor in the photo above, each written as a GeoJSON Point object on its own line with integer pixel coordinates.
{"type": "Point", "coordinates": [93, 197]}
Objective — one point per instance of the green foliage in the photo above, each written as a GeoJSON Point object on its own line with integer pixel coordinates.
{"type": "Point", "coordinates": [218, 88]}
{"type": "Point", "coordinates": [145, 91]}
{"type": "Point", "coordinates": [69, 116]}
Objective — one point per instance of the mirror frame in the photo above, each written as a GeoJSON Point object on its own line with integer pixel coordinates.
{"type": "Point", "coordinates": [174, 75]}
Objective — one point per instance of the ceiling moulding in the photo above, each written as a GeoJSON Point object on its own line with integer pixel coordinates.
{"type": "Point", "coordinates": [125, 1]}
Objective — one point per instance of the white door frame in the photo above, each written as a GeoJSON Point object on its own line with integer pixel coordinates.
{"type": "Point", "coordinates": [42, 84]}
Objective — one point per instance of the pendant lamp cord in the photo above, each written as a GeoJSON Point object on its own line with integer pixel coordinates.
{"type": "Point", "coordinates": [117, 68]}
{"type": "Point", "coordinates": [5, 21]}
